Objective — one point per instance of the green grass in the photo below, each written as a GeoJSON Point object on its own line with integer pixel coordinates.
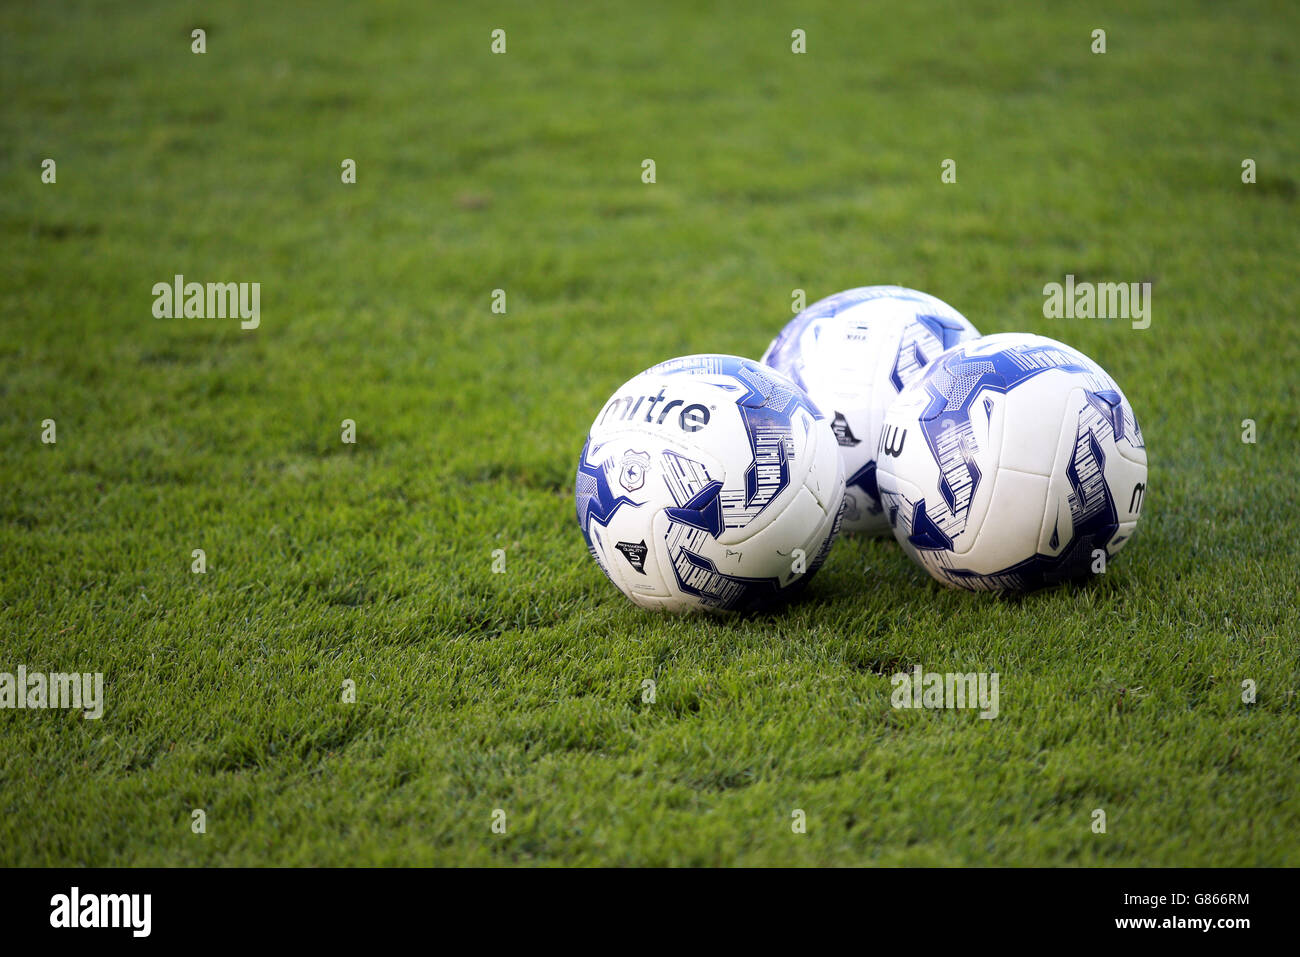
{"type": "Point", "coordinates": [522, 690]}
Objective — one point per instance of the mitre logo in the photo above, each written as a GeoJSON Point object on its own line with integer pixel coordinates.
{"type": "Point", "coordinates": [634, 468]}
{"type": "Point", "coordinates": [892, 439]}
{"type": "Point", "coordinates": [627, 408]}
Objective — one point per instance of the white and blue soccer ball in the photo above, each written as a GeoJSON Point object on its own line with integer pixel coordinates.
{"type": "Point", "coordinates": [1012, 463]}
{"type": "Point", "coordinates": [709, 482]}
{"type": "Point", "coordinates": [853, 353]}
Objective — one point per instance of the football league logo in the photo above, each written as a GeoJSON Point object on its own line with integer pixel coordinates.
{"type": "Point", "coordinates": [843, 434]}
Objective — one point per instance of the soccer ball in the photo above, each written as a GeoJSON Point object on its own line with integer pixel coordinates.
{"type": "Point", "coordinates": [1012, 463]}
{"type": "Point", "coordinates": [709, 482]}
{"type": "Point", "coordinates": [854, 352]}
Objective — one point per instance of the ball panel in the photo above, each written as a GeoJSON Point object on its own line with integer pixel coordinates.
{"type": "Point", "coordinates": [629, 561]}
{"type": "Point", "coordinates": [825, 474]}
{"type": "Point", "coordinates": [1038, 409]}
{"type": "Point", "coordinates": [1011, 525]}
{"type": "Point", "coordinates": [772, 548]}
{"type": "Point", "coordinates": [1122, 535]}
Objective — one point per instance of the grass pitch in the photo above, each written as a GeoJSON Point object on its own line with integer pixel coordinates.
{"type": "Point", "coordinates": [522, 691]}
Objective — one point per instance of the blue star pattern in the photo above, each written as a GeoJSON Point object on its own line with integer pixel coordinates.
{"type": "Point", "coordinates": [771, 409]}
{"type": "Point", "coordinates": [595, 500]}
{"type": "Point", "coordinates": [945, 423]}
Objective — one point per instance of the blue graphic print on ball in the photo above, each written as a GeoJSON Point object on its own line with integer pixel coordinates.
{"type": "Point", "coordinates": [854, 352]}
{"type": "Point", "coordinates": [732, 482]}
{"type": "Point", "coordinates": [1030, 454]}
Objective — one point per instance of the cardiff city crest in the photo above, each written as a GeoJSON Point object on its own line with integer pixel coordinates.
{"type": "Point", "coordinates": [634, 468]}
